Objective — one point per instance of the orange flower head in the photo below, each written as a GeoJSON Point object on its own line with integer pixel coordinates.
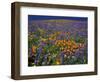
{"type": "Point", "coordinates": [33, 49]}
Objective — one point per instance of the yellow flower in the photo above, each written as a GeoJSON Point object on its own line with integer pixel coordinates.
{"type": "Point", "coordinates": [57, 62]}
{"type": "Point", "coordinates": [61, 48]}
{"type": "Point", "coordinates": [43, 39]}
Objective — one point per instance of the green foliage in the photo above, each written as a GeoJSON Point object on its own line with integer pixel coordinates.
{"type": "Point", "coordinates": [80, 40]}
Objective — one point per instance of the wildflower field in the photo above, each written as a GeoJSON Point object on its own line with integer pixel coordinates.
{"type": "Point", "coordinates": [57, 40]}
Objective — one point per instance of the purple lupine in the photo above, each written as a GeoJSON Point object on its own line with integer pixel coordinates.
{"type": "Point", "coordinates": [80, 53]}
{"type": "Point", "coordinates": [39, 51]}
{"type": "Point", "coordinates": [45, 58]}
{"type": "Point", "coordinates": [30, 52]}
{"type": "Point", "coordinates": [62, 58]}
{"type": "Point", "coordinates": [42, 44]}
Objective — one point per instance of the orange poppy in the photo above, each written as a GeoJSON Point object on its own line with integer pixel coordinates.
{"type": "Point", "coordinates": [33, 49]}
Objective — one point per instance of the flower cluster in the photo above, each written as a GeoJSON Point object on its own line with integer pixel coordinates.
{"type": "Point", "coordinates": [58, 47]}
